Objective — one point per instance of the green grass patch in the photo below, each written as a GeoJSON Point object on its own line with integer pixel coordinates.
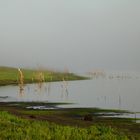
{"type": "Point", "coordinates": [15, 128]}
{"type": "Point", "coordinates": [10, 75]}
{"type": "Point", "coordinates": [73, 118]}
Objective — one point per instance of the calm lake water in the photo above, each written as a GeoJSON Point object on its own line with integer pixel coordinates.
{"type": "Point", "coordinates": [110, 93]}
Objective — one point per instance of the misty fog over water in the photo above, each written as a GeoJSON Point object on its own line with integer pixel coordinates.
{"type": "Point", "coordinates": [78, 35]}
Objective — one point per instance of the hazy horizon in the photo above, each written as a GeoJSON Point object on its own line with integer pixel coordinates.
{"type": "Point", "coordinates": [78, 35]}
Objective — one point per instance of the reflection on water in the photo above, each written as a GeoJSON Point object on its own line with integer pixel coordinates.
{"type": "Point", "coordinates": [64, 89]}
{"type": "Point", "coordinates": [43, 89]}
{"type": "Point", "coordinates": [21, 92]}
{"type": "Point", "coordinates": [119, 102]}
{"type": "Point", "coordinates": [100, 92]}
{"type": "Point", "coordinates": [134, 116]}
{"type": "Point", "coordinates": [49, 88]}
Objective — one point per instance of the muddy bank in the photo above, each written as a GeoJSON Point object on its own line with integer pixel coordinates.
{"type": "Point", "coordinates": [81, 117]}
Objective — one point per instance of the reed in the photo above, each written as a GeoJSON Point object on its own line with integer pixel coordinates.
{"type": "Point", "coordinates": [40, 78]}
{"type": "Point", "coordinates": [21, 82]}
{"type": "Point", "coordinates": [20, 79]}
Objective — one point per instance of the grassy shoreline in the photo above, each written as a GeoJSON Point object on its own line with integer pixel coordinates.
{"type": "Point", "coordinates": [10, 76]}
{"type": "Point", "coordinates": [72, 118]}
{"type": "Point", "coordinates": [21, 129]}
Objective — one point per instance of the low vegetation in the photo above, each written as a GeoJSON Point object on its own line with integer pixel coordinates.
{"type": "Point", "coordinates": [60, 123]}
{"type": "Point", "coordinates": [15, 128]}
{"type": "Point", "coordinates": [11, 76]}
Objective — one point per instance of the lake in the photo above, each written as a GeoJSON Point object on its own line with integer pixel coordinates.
{"type": "Point", "coordinates": [109, 93]}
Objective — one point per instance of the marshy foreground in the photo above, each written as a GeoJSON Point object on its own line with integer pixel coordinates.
{"type": "Point", "coordinates": [18, 122]}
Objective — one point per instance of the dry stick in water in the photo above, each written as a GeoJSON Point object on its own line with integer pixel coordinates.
{"type": "Point", "coordinates": [21, 81]}
{"type": "Point", "coordinates": [39, 76]}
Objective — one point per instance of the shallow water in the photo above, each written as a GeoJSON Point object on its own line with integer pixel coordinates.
{"type": "Point", "coordinates": [99, 92]}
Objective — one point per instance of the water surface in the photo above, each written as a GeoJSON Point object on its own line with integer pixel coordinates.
{"type": "Point", "coordinates": [99, 92]}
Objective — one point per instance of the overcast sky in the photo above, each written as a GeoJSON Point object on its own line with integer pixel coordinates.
{"type": "Point", "coordinates": [76, 34]}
